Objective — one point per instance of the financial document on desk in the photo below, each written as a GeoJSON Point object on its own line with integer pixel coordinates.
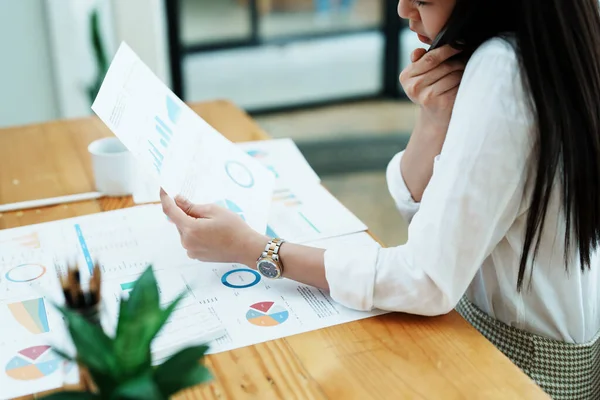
{"type": "Point", "coordinates": [172, 144]}
{"type": "Point", "coordinates": [227, 305]}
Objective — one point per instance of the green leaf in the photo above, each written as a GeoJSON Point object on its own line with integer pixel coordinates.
{"type": "Point", "coordinates": [195, 376]}
{"type": "Point", "coordinates": [132, 342]}
{"type": "Point", "coordinates": [94, 347]}
{"type": "Point", "coordinates": [71, 396]}
{"type": "Point", "coordinates": [145, 292]}
{"type": "Point", "coordinates": [140, 387]}
{"type": "Point", "coordinates": [106, 384]}
{"type": "Point", "coordinates": [171, 307]}
{"type": "Point", "coordinates": [139, 321]}
{"type": "Point", "coordinates": [182, 370]}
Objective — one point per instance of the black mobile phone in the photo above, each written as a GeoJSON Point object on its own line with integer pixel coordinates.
{"type": "Point", "coordinates": [456, 30]}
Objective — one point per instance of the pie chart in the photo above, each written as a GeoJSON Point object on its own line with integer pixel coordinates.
{"type": "Point", "coordinates": [267, 313]}
{"type": "Point", "coordinates": [31, 314]}
{"type": "Point", "coordinates": [33, 363]}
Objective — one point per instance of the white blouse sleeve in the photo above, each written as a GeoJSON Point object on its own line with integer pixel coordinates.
{"type": "Point", "coordinates": [471, 201]}
{"type": "Point", "coordinates": [405, 203]}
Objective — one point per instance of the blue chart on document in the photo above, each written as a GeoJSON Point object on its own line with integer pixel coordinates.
{"type": "Point", "coordinates": [164, 133]}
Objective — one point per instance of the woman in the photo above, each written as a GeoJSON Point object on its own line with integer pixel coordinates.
{"type": "Point", "coordinates": [500, 182]}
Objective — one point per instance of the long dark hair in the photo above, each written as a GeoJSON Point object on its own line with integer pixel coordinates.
{"type": "Point", "coordinates": [558, 45]}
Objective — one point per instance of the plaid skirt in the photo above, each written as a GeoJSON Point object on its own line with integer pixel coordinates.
{"type": "Point", "coordinates": [563, 370]}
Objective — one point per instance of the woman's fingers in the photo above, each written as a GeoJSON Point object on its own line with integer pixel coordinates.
{"type": "Point", "coordinates": [417, 54]}
{"type": "Point", "coordinates": [417, 85]}
{"type": "Point", "coordinates": [443, 70]}
{"type": "Point", "coordinates": [448, 82]}
{"type": "Point", "coordinates": [172, 211]}
{"type": "Point", "coordinates": [432, 59]}
{"type": "Point", "coordinates": [443, 93]}
{"type": "Point", "coordinates": [418, 78]}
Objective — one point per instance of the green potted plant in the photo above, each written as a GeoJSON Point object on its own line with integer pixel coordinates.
{"type": "Point", "coordinates": [99, 56]}
{"type": "Point", "coordinates": [121, 367]}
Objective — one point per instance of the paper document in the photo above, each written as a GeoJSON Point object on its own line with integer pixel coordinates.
{"type": "Point", "coordinates": [283, 158]}
{"type": "Point", "coordinates": [304, 213]}
{"type": "Point", "coordinates": [302, 210]}
{"type": "Point", "coordinates": [280, 156]}
{"type": "Point", "coordinates": [29, 367]}
{"type": "Point", "coordinates": [146, 188]}
{"type": "Point", "coordinates": [185, 154]}
{"type": "Point", "coordinates": [30, 326]}
{"type": "Point", "coordinates": [146, 191]}
{"type": "Point", "coordinates": [228, 305]}
{"type": "Point", "coordinates": [254, 310]}
{"type": "Point", "coordinates": [190, 324]}
{"type": "Point", "coordinates": [124, 243]}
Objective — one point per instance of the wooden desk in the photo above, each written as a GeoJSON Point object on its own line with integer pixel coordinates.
{"type": "Point", "coordinates": [395, 356]}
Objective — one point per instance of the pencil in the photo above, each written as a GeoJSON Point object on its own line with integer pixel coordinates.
{"type": "Point", "coordinates": [24, 205]}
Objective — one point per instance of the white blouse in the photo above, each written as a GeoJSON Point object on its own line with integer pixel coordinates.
{"type": "Point", "coordinates": [466, 234]}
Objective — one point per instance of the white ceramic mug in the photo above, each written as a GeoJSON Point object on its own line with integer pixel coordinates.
{"type": "Point", "coordinates": [113, 165]}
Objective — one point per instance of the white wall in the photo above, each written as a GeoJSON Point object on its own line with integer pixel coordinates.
{"type": "Point", "coordinates": [27, 93]}
{"type": "Point", "coordinates": [140, 23]}
{"type": "Point", "coordinates": [143, 25]}
{"type": "Point", "coordinates": [74, 65]}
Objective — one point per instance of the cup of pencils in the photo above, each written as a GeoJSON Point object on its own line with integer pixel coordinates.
{"type": "Point", "coordinates": [87, 304]}
{"type": "Point", "coordinates": [84, 302]}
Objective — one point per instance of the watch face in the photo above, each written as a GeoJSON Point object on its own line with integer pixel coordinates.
{"type": "Point", "coordinates": [268, 269]}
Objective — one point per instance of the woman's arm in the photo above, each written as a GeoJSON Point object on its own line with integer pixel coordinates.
{"type": "Point", "coordinates": [432, 82]}
{"type": "Point", "coordinates": [472, 200]}
{"type": "Point", "coordinates": [425, 144]}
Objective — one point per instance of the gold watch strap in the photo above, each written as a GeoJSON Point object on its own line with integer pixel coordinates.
{"type": "Point", "coordinates": [272, 247]}
{"type": "Point", "coordinates": [272, 251]}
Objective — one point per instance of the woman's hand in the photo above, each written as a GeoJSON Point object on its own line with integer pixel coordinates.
{"type": "Point", "coordinates": [212, 233]}
{"type": "Point", "coordinates": [431, 81]}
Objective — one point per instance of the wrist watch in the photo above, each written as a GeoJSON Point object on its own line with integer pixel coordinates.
{"type": "Point", "coordinates": [269, 264]}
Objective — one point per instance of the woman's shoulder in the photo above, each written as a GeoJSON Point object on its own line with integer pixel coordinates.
{"type": "Point", "coordinates": [495, 65]}
{"type": "Point", "coordinates": [493, 82]}
{"type": "Point", "coordinates": [498, 48]}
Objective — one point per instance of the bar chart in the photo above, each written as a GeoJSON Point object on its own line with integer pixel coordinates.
{"type": "Point", "coordinates": [287, 197]}
{"type": "Point", "coordinates": [158, 145]}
